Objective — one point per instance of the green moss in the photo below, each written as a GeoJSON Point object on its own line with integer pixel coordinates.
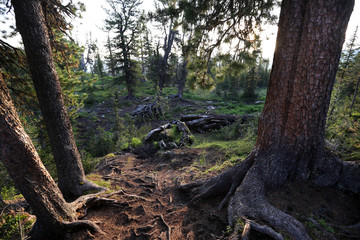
{"type": "Point", "coordinates": [110, 155]}
{"type": "Point", "coordinates": [97, 179]}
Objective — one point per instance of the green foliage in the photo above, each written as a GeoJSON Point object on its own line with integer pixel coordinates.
{"type": "Point", "coordinates": [124, 20]}
{"type": "Point", "coordinates": [343, 123]}
{"type": "Point", "coordinates": [201, 159]}
{"type": "Point", "coordinates": [14, 226]}
{"type": "Point", "coordinates": [241, 79]}
{"type": "Point", "coordinates": [10, 193]}
{"type": "Point", "coordinates": [67, 61]}
{"type": "Point", "coordinates": [237, 148]}
{"type": "Point", "coordinates": [89, 163]}
{"type": "Point", "coordinates": [236, 108]}
{"type": "Point", "coordinates": [135, 142]}
{"type": "Point", "coordinates": [237, 131]}
{"type": "Point", "coordinates": [328, 228]}
{"type": "Point", "coordinates": [104, 142]}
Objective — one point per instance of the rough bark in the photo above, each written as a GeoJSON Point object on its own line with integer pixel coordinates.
{"type": "Point", "coordinates": [183, 73]}
{"type": "Point", "coordinates": [290, 143]}
{"type": "Point", "coordinates": [26, 169]}
{"type": "Point", "coordinates": [54, 216]}
{"type": "Point", "coordinates": [30, 23]}
{"type": "Point", "coordinates": [305, 62]}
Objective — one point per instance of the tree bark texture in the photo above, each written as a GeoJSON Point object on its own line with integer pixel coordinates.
{"type": "Point", "coordinates": [183, 73]}
{"type": "Point", "coordinates": [308, 49]}
{"type": "Point", "coordinates": [30, 23]}
{"type": "Point", "coordinates": [290, 142]}
{"type": "Point", "coordinates": [29, 174]}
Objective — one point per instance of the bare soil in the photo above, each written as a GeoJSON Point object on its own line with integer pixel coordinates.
{"type": "Point", "coordinates": [152, 208]}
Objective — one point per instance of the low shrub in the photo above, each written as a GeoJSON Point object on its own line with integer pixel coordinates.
{"type": "Point", "coordinates": [15, 226]}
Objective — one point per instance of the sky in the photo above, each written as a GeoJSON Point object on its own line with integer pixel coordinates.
{"type": "Point", "coordinates": [94, 19]}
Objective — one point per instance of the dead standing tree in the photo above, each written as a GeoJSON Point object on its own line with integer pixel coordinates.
{"type": "Point", "coordinates": [163, 63]}
{"type": "Point", "coordinates": [290, 144]}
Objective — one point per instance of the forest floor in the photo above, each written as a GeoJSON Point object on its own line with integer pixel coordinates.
{"type": "Point", "coordinates": [145, 181]}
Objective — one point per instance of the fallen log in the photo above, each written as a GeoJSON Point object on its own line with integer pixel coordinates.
{"type": "Point", "coordinates": [207, 122]}
{"type": "Point", "coordinates": [164, 134]}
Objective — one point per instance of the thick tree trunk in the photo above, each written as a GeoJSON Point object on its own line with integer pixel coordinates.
{"type": "Point", "coordinates": [30, 23]}
{"type": "Point", "coordinates": [290, 143]}
{"type": "Point", "coordinates": [26, 169]}
{"type": "Point", "coordinates": [308, 49]}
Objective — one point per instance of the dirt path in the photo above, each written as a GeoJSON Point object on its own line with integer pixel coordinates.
{"type": "Point", "coordinates": [151, 208]}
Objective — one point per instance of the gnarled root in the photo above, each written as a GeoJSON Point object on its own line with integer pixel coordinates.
{"type": "Point", "coordinates": [84, 203]}
{"type": "Point", "coordinates": [249, 225]}
{"type": "Point", "coordinates": [246, 189]}
{"type": "Point", "coordinates": [250, 202]}
{"type": "Point", "coordinates": [89, 186]}
{"type": "Point", "coordinates": [81, 224]}
{"type": "Point", "coordinates": [225, 183]}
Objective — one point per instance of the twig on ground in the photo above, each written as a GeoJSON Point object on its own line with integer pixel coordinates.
{"type": "Point", "coordinates": [168, 233]}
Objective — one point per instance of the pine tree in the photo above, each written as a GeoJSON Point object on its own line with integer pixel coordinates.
{"type": "Point", "coordinates": [123, 19]}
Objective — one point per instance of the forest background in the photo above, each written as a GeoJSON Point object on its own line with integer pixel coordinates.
{"type": "Point", "coordinates": [95, 92]}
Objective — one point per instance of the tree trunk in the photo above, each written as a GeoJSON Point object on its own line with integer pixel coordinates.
{"type": "Point", "coordinates": [2, 203]}
{"type": "Point", "coordinates": [168, 42]}
{"type": "Point", "coordinates": [290, 142]}
{"type": "Point", "coordinates": [182, 79]}
{"type": "Point", "coordinates": [308, 49]}
{"type": "Point", "coordinates": [29, 174]}
{"type": "Point", "coordinates": [30, 23]}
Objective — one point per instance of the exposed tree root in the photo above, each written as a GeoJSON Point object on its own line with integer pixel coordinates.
{"type": "Point", "coordinates": [323, 230]}
{"type": "Point", "coordinates": [90, 187]}
{"type": "Point", "coordinates": [81, 224]}
{"type": "Point", "coordinates": [168, 228]}
{"type": "Point", "coordinates": [131, 98]}
{"type": "Point", "coordinates": [244, 184]}
{"type": "Point", "coordinates": [83, 204]}
{"type": "Point", "coordinates": [225, 183]}
{"type": "Point", "coordinates": [259, 228]}
{"type": "Point", "coordinates": [151, 110]}
{"type": "Point", "coordinates": [250, 202]}
{"type": "Point", "coordinates": [352, 231]}
{"type": "Point", "coordinates": [350, 176]}
{"type": "Point", "coordinates": [122, 192]}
